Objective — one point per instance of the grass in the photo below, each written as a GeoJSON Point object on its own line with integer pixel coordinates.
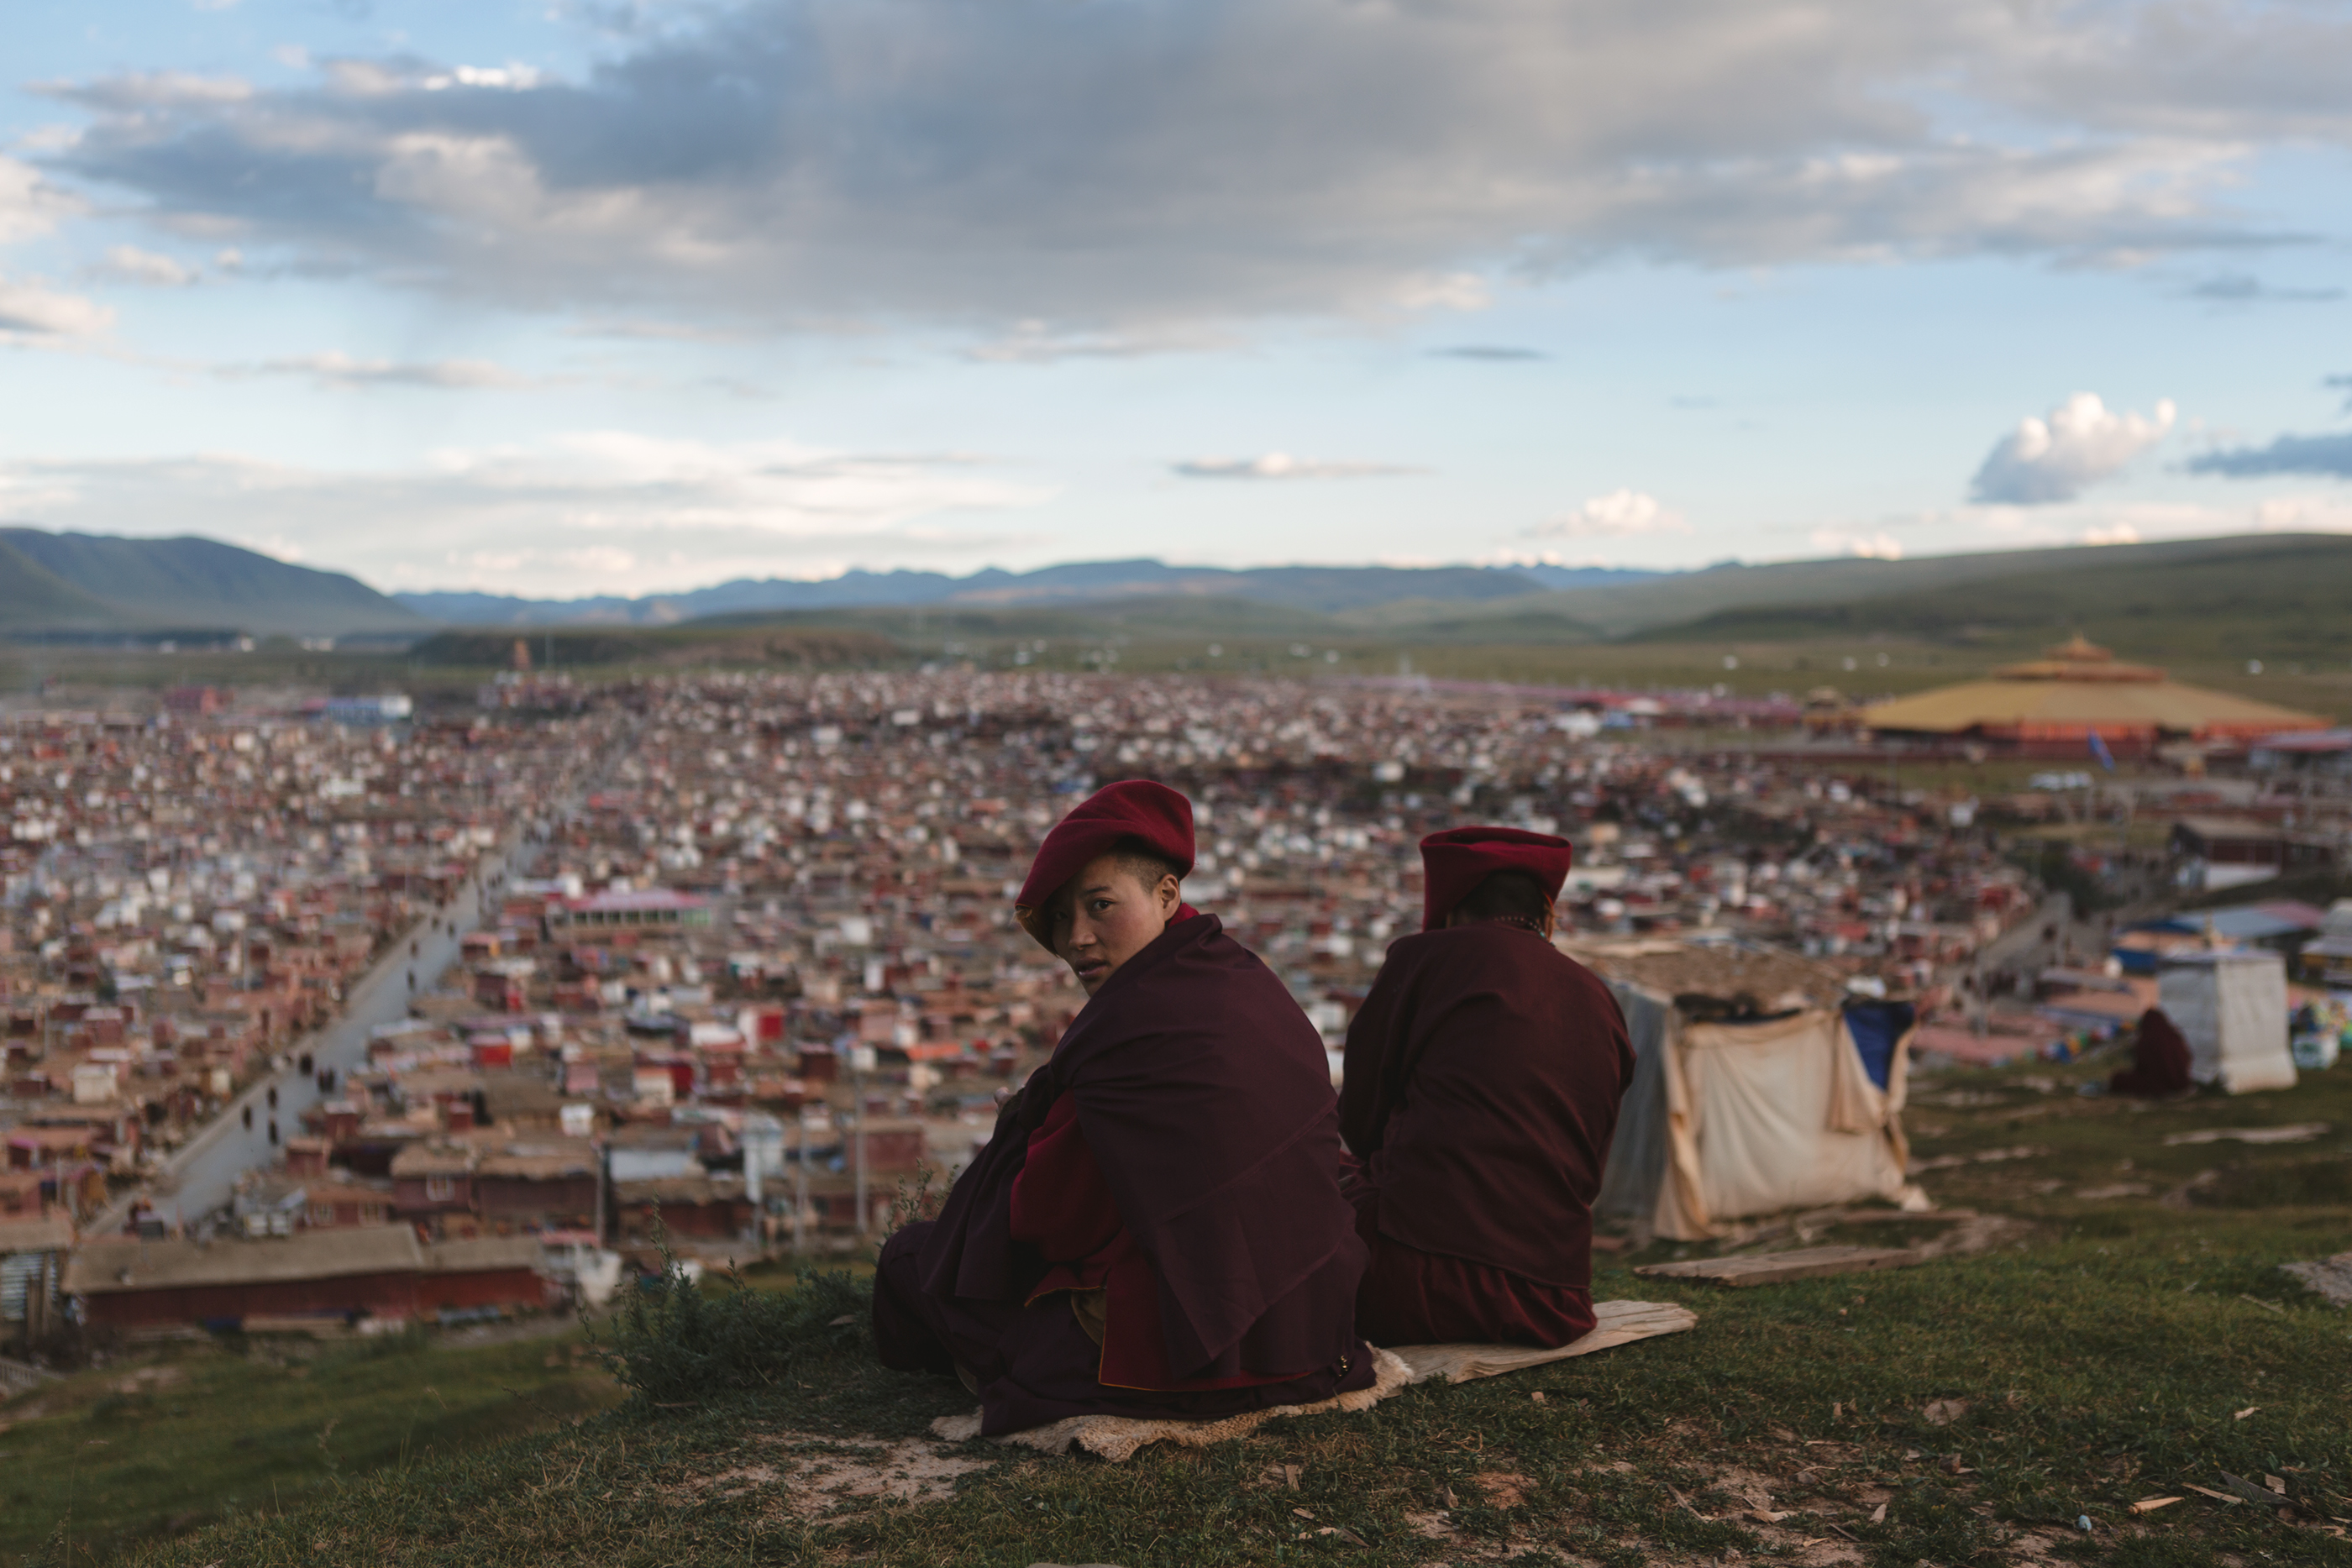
{"type": "Point", "coordinates": [2124, 1346]}
{"type": "Point", "coordinates": [1148, 637]}
{"type": "Point", "coordinates": [166, 1438]}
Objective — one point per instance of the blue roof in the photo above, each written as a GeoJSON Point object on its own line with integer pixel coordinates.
{"type": "Point", "coordinates": [2243, 922]}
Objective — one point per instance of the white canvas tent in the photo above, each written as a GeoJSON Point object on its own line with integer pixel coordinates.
{"type": "Point", "coordinates": [1725, 1121]}
{"type": "Point", "coordinates": [2231, 1009]}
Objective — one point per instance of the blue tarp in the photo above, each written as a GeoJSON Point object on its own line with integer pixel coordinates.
{"type": "Point", "coordinates": [1876, 1026]}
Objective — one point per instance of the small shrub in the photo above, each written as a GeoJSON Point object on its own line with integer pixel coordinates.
{"type": "Point", "coordinates": [918, 1201]}
{"type": "Point", "coordinates": [672, 1342]}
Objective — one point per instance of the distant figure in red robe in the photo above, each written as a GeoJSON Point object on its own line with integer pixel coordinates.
{"type": "Point", "coordinates": [1155, 1228]}
{"type": "Point", "coordinates": [2159, 1068]}
{"type": "Point", "coordinates": [1483, 1074]}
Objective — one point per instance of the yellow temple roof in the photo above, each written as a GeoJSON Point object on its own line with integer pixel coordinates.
{"type": "Point", "coordinates": [2079, 687]}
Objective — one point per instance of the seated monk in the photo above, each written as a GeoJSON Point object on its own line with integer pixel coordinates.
{"type": "Point", "coordinates": [1155, 1228]}
{"type": "Point", "coordinates": [1483, 1074]}
{"type": "Point", "coordinates": [2160, 1061]}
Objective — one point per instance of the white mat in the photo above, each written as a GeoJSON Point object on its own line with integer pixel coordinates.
{"type": "Point", "coordinates": [1614, 1324]}
{"type": "Point", "coordinates": [1117, 1438]}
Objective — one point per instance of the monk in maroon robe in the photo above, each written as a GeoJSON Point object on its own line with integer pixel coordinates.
{"type": "Point", "coordinates": [1155, 1228]}
{"type": "Point", "coordinates": [2160, 1061]}
{"type": "Point", "coordinates": [1483, 1074]}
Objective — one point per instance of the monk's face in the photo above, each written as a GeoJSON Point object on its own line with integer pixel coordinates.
{"type": "Point", "coordinates": [1105, 915]}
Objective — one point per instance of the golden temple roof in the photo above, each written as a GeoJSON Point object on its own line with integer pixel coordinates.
{"type": "Point", "coordinates": [2077, 659]}
{"type": "Point", "coordinates": [2078, 687]}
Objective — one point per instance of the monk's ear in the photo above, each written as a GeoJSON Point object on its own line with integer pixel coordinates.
{"type": "Point", "coordinates": [1169, 896]}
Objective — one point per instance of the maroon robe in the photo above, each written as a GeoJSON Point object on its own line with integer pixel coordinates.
{"type": "Point", "coordinates": [1203, 1097]}
{"type": "Point", "coordinates": [2160, 1061]}
{"type": "Point", "coordinates": [1061, 1206]}
{"type": "Point", "coordinates": [1483, 1074]}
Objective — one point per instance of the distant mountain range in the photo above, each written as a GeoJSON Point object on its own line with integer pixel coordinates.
{"type": "Point", "coordinates": [72, 585]}
{"type": "Point", "coordinates": [1325, 589]}
{"type": "Point", "coordinates": [2282, 588]}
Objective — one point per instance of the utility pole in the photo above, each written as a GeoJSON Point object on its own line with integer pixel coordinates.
{"type": "Point", "coordinates": [861, 1061]}
{"type": "Point", "coordinates": [800, 1191]}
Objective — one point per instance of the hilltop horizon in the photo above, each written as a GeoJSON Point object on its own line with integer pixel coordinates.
{"type": "Point", "coordinates": [75, 585]}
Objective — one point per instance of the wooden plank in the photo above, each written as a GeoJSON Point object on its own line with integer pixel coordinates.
{"type": "Point", "coordinates": [1774, 1267]}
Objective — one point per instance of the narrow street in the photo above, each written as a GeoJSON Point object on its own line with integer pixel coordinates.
{"type": "Point", "coordinates": [199, 1175]}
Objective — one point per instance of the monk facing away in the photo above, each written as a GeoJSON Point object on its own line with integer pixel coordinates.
{"type": "Point", "coordinates": [1155, 1228]}
{"type": "Point", "coordinates": [1483, 1074]}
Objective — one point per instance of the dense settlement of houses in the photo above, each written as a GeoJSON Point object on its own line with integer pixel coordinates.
{"type": "Point", "coordinates": [767, 975]}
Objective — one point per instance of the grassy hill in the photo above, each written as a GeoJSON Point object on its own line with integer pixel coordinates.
{"type": "Point", "coordinates": [2201, 607]}
{"type": "Point", "coordinates": [2281, 596]}
{"type": "Point", "coordinates": [94, 582]}
{"type": "Point", "coordinates": [32, 596]}
{"type": "Point", "coordinates": [2222, 597]}
{"type": "Point", "coordinates": [609, 646]}
{"type": "Point", "coordinates": [2133, 1338]}
{"type": "Point", "coordinates": [1956, 587]}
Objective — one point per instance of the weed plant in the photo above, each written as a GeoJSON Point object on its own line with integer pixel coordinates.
{"type": "Point", "coordinates": [673, 1342]}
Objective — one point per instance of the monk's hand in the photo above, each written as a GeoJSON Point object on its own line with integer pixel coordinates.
{"type": "Point", "coordinates": [1013, 1114]}
{"type": "Point", "coordinates": [1027, 1109]}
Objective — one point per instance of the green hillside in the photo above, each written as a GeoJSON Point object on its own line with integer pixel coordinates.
{"type": "Point", "coordinates": [2024, 1404]}
{"type": "Point", "coordinates": [189, 582]}
{"type": "Point", "coordinates": [1950, 583]}
{"type": "Point", "coordinates": [2270, 596]}
{"type": "Point", "coordinates": [33, 598]}
{"type": "Point", "coordinates": [2281, 597]}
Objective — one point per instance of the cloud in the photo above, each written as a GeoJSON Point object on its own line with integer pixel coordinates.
{"type": "Point", "coordinates": [30, 205]}
{"type": "Point", "coordinates": [1620, 514]}
{"type": "Point", "coordinates": [2053, 459]}
{"type": "Point", "coordinates": [1495, 353]}
{"type": "Point", "coordinates": [587, 512]}
{"type": "Point", "coordinates": [2302, 514]}
{"type": "Point", "coordinates": [2128, 522]}
{"type": "Point", "coordinates": [340, 370]}
{"type": "Point", "coordinates": [37, 310]}
{"type": "Point", "coordinates": [2329, 454]}
{"type": "Point", "coordinates": [1035, 342]}
{"type": "Point", "coordinates": [1281, 466]}
{"type": "Point", "coordinates": [844, 161]}
{"type": "Point", "coordinates": [2245, 288]}
{"type": "Point", "coordinates": [1880, 546]}
{"type": "Point", "coordinates": [128, 264]}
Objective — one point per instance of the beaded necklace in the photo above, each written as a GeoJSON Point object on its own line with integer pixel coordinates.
{"type": "Point", "coordinates": [1524, 922]}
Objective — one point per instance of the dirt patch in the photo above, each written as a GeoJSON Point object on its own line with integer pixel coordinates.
{"type": "Point", "coordinates": [815, 1475]}
{"type": "Point", "coordinates": [148, 1379]}
{"type": "Point", "coordinates": [2331, 1277]}
{"type": "Point", "coordinates": [1431, 1526]}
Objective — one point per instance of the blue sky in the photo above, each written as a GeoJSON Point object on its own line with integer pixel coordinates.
{"type": "Point", "coordinates": [559, 300]}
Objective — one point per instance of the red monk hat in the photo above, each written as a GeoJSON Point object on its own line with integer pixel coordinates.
{"type": "Point", "coordinates": [1152, 815]}
{"type": "Point", "coordinates": [1455, 862]}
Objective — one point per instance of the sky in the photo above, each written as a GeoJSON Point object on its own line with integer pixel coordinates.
{"type": "Point", "coordinates": [586, 296]}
